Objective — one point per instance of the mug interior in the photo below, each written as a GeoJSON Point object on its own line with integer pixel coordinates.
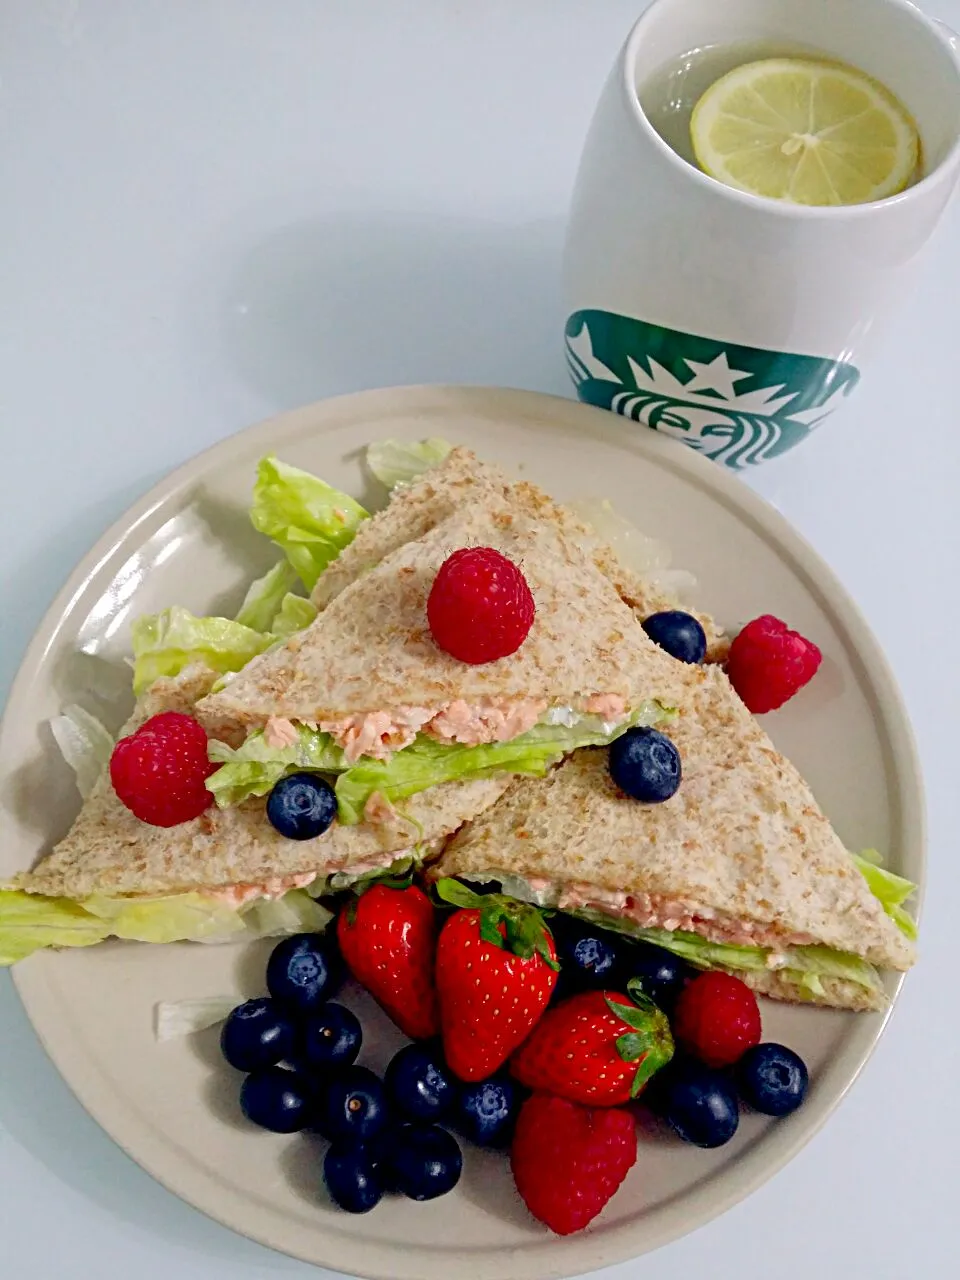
{"type": "Point", "coordinates": [889, 39]}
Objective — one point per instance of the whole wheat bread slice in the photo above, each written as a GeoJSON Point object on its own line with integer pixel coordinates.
{"type": "Point", "coordinates": [463, 478]}
{"type": "Point", "coordinates": [109, 851]}
{"type": "Point", "coordinates": [371, 649]}
{"type": "Point", "coordinates": [742, 840]}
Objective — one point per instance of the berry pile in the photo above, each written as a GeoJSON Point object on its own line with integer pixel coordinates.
{"type": "Point", "coordinates": [527, 1036]}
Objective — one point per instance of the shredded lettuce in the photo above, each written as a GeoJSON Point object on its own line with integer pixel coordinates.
{"type": "Point", "coordinates": [253, 768]}
{"type": "Point", "coordinates": [85, 744]}
{"type": "Point", "coordinates": [175, 1018]}
{"type": "Point", "coordinates": [265, 597]}
{"type": "Point", "coordinates": [428, 763]}
{"type": "Point", "coordinates": [164, 643]}
{"type": "Point", "coordinates": [397, 463]}
{"type": "Point", "coordinates": [296, 911]}
{"type": "Point", "coordinates": [310, 521]}
{"type": "Point", "coordinates": [30, 922]}
{"type": "Point", "coordinates": [891, 890]}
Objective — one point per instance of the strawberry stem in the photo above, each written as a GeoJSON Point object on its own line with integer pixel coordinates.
{"type": "Point", "coordinates": [649, 1043]}
{"type": "Point", "coordinates": [505, 922]}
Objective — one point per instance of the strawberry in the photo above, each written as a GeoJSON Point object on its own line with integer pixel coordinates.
{"type": "Point", "coordinates": [717, 1019]}
{"type": "Point", "coordinates": [496, 969]}
{"type": "Point", "coordinates": [388, 939]}
{"type": "Point", "coordinates": [568, 1160]}
{"type": "Point", "coordinates": [598, 1048]}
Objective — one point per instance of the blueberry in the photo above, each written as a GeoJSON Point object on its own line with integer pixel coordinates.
{"type": "Point", "coordinates": [353, 1106]}
{"type": "Point", "coordinates": [424, 1161]}
{"type": "Point", "coordinates": [257, 1034]}
{"type": "Point", "coordinates": [330, 1038]}
{"type": "Point", "coordinates": [277, 1099]}
{"type": "Point", "coordinates": [352, 1177]}
{"type": "Point", "coordinates": [645, 764]}
{"type": "Point", "coordinates": [589, 955]}
{"type": "Point", "coordinates": [301, 806]}
{"type": "Point", "coordinates": [304, 971]}
{"type": "Point", "coordinates": [661, 974]}
{"type": "Point", "coordinates": [680, 634]}
{"type": "Point", "coordinates": [698, 1103]}
{"type": "Point", "coordinates": [419, 1083]}
{"type": "Point", "coordinates": [487, 1111]}
{"type": "Point", "coordinates": [772, 1079]}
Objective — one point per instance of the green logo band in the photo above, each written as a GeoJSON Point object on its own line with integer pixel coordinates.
{"type": "Point", "coordinates": [738, 405]}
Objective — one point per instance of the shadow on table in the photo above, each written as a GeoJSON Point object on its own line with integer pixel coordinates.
{"type": "Point", "coordinates": [352, 302]}
{"type": "Point", "coordinates": [39, 1113]}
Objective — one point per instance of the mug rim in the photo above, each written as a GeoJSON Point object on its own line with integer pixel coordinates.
{"type": "Point", "coordinates": [784, 208]}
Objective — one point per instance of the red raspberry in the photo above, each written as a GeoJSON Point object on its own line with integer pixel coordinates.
{"type": "Point", "coordinates": [768, 663]}
{"type": "Point", "coordinates": [480, 607]}
{"type": "Point", "coordinates": [568, 1160]}
{"type": "Point", "coordinates": [717, 1019]}
{"type": "Point", "coordinates": [159, 771]}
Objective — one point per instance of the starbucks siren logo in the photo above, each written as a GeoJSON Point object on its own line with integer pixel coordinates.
{"type": "Point", "coordinates": [739, 405]}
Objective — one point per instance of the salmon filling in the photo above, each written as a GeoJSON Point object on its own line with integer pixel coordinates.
{"type": "Point", "coordinates": [239, 895]}
{"type": "Point", "coordinates": [378, 734]}
{"type": "Point", "coordinates": [657, 911]}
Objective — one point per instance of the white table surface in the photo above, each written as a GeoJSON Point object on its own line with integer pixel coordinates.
{"type": "Point", "coordinates": [217, 209]}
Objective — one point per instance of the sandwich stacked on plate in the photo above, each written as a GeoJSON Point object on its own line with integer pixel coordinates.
{"type": "Point", "coordinates": [414, 741]}
{"type": "Point", "coordinates": [403, 745]}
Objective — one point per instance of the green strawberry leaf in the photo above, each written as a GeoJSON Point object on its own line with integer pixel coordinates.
{"type": "Point", "coordinates": [631, 1046]}
{"type": "Point", "coordinates": [504, 922]}
{"type": "Point", "coordinates": [489, 927]}
{"type": "Point", "coordinates": [457, 894]}
{"type": "Point", "coordinates": [650, 1042]}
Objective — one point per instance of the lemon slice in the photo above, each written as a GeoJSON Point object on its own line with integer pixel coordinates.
{"type": "Point", "coordinates": [805, 131]}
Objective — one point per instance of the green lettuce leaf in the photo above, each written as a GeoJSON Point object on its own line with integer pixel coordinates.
{"type": "Point", "coordinates": [165, 918]}
{"type": "Point", "coordinates": [295, 614]}
{"type": "Point", "coordinates": [892, 891]}
{"type": "Point", "coordinates": [427, 763]}
{"type": "Point", "coordinates": [805, 966]}
{"type": "Point", "coordinates": [253, 768]}
{"type": "Point", "coordinates": [164, 643]}
{"type": "Point", "coordinates": [297, 911]}
{"type": "Point", "coordinates": [29, 922]}
{"type": "Point", "coordinates": [265, 597]}
{"type": "Point", "coordinates": [397, 463]}
{"type": "Point", "coordinates": [310, 521]}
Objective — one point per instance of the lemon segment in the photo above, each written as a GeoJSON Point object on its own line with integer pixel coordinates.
{"type": "Point", "coordinates": [805, 131]}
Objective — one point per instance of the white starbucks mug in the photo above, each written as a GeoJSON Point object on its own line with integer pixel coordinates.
{"type": "Point", "coordinates": [733, 322]}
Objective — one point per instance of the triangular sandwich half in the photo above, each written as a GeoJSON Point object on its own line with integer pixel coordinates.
{"type": "Point", "coordinates": [367, 678]}
{"type": "Point", "coordinates": [462, 478]}
{"type": "Point", "coordinates": [739, 870]}
{"type": "Point", "coordinates": [214, 875]}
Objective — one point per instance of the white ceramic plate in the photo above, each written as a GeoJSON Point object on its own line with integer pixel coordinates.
{"type": "Point", "coordinates": [173, 1106]}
